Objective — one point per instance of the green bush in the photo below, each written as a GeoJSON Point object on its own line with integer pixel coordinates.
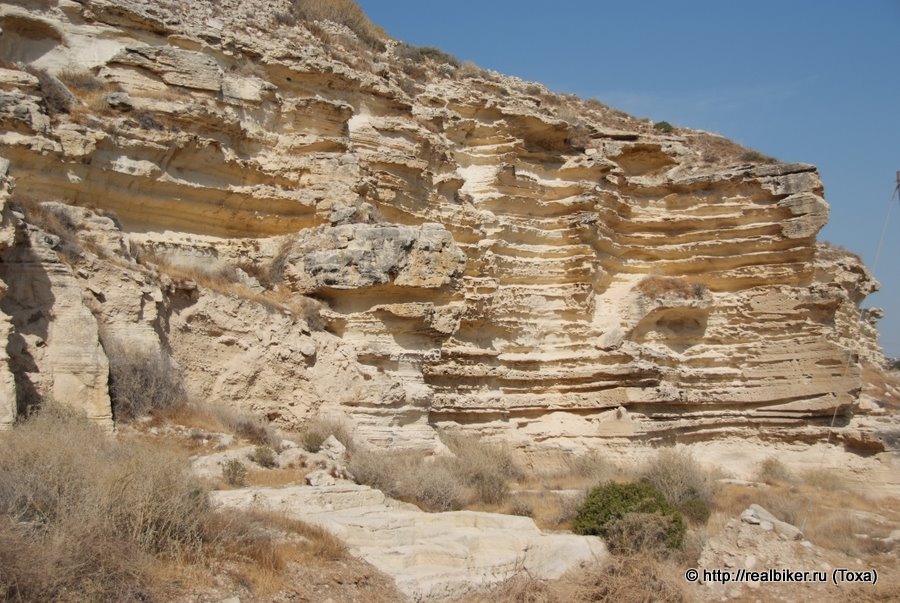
{"type": "Point", "coordinates": [696, 511]}
{"type": "Point", "coordinates": [663, 126]}
{"type": "Point", "coordinates": [618, 511]}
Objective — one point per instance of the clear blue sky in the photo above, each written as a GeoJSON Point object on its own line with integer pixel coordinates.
{"type": "Point", "coordinates": [801, 80]}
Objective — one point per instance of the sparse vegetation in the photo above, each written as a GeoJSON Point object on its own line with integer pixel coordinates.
{"type": "Point", "coordinates": [57, 97]}
{"type": "Point", "coordinates": [631, 516]}
{"type": "Point", "coordinates": [771, 471]}
{"type": "Point", "coordinates": [752, 156]}
{"type": "Point", "coordinates": [344, 12]}
{"type": "Point", "coordinates": [79, 512]}
{"type": "Point", "coordinates": [663, 126]}
{"type": "Point", "coordinates": [226, 280]}
{"type": "Point", "coordinates": [638, 578]}
{"type": "Point", "coordinates": [234, 473]}
{"type": "Point", "coordinates": [419, 54]}
{"type": "Point", "coordinates": [140, 380]}
{"type": "Point", "coordinates": [656, 287]}
{"type": "Point", "coordinates": [684, 483]}
{"type": "Point", "coordinates": [479, 473]}
{"type": "Point", "coordinates": [263, 456]}
{"type": "Point", "coordinates": [53, 219]}
{"type": "Point", "coordinates": [316, 431]}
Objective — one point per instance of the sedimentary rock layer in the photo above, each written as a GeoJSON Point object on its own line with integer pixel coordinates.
{"type": "Point", "coordinates": [481, 252]}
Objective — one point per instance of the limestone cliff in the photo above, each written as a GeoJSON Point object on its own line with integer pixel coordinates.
{"type": "Point", "coordinates": [312, 223]}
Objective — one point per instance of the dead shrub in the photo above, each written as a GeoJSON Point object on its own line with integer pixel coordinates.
{"type": "Point", "coordinates": [263, 456]}
{"type": "Point", "coordinates": [252, 428]}
{"type": "Point", "coordinates": [479, 473]}
{"type": "Point", "coordinates": [639, 532]}
{"type": "Point", "coordinates": [316, 431]}
{"type": "Point", "coordinates": [773, 471]}
{"type": "Point", "coordinates": [82, 80]}
{"type": "Point", "coordinates": [656, 287]}
{"type": "Point", "coordinates": [81, 512]}
{"type": "Point", "coordinates": [56, 96]}
{"type": "Point", "coordinates": [486, 468]}
{"type": "Point", "coordinates": [234, 473]}
{"type": "Point", "coordinates": [141, 381]}
{"type": "Point", "coordinates": [53, 219]}
{"type": "Point", "coordinates": [631, 579]}
{"type": "Point", "coordinates": [681, 479]}
{"type": "Point", "coordinates": [406, 476]}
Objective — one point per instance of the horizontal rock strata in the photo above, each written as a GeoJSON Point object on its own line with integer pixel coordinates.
{"type": "Point", "coordinates": [468, 249]}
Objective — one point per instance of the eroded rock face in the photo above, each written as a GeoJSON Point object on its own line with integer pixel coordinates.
{"type": "Point", "coordinates": [429, 555]}
{"type": "Point", "coordinates": [485, 253]}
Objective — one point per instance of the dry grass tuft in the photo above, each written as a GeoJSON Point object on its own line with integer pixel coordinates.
{"type": "Point", "coordinates": [657, 287]}
{"type": "Point", "coordinates": [478, 474]}
{"type": "Point", "coordinates": [222, 419]}
{"type": "Point", "coordinates": [683, 481]}
{"type": "Point", "coordinates": [53, 219]}
{"type": "Point", "coordinates": [86, 517]}
{"type": "Point", "coordinates": [141, 381]}
{"type": "Point", "coordinates": [316, 431]}
{"type": "Point", "coordinates": [772, 471]}
{"type": "Point", "coordinates": [632, 579]}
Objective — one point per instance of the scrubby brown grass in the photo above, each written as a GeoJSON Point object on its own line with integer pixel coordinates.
{"type": "Point", "coordinates": [81, 514]}
{"type": "Point", "coordinates": [314, 433]}
{"type": "Point", "coordinates": [53, 220]}
{"type": "Point", "coordinates": [220, 419]}
{"type": "Point", "coordinates": [632, 579]}
{"type": "Point", "coordinates": [344, 12]}
{"type": "Point", "coordinates": [665, 286]}
{"type": "Point", "coordinates": [141, 380]}
{"type": "Point", "coordinates": [478, 474]}
{"type": "Point", "coordinates": [772, 471]}
{"type": "Point", "coordinates": [87, 517]}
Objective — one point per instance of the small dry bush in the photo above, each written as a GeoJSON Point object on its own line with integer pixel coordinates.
{"type": "Point", "coordinates": [82, 80]}
{"type": "Point", "coordinates": [519, 588]}
{"type": "Point", "coordinates": [405, 475]}
{"type": "Point", "coordinates": [56, 96]}
{"type": "Point", "coordinates": [53, 219]}
{"type": "Point", "coordinates": [80, 513]}
{"type": "Point", "coordinates": [234, 473]}
{"type": "Point", "coordinates": [263, 456]}
{"type": "Point", "coordinates": [344, 12]}
{"type": "Point", "coordinates": [753, 156]}
{"type": "Point", "coordinates": [631, 579]}
{"type": "Point", "coordinates": [683, 481]}
{"type": "Point", "coordinates": [141, 381]}
{"type": "Point", "coordinates": [260, 546]}
{"type": "Point", "coordinates": [772, 471]}
{"type": "Point", "coordinates": [665, 286]}
{"type": "Point", "coordinates": [479, 473]}
{"type": "Point", "coordinates": [485, 467]}
{"type": "Point", "coordinates": [316, 431]}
